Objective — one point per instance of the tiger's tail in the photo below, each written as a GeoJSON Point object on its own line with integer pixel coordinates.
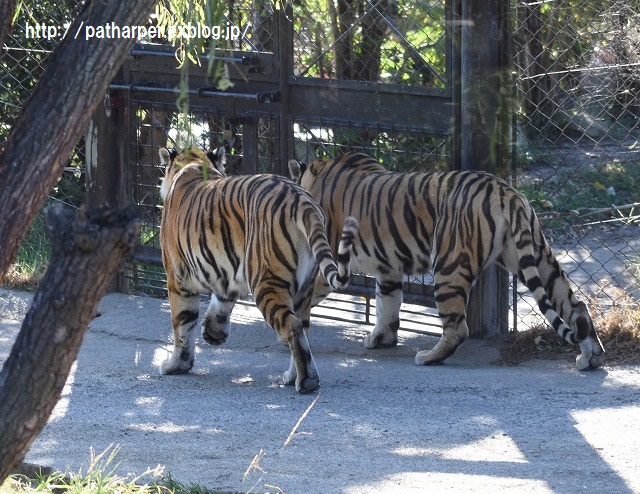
{"type": "Point", "coordinates": [336, 275]}
{"type": "Point", "coordinates": [528, 272]}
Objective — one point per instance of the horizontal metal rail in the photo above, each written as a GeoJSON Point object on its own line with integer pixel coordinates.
{"type": "Point", "coordinates": [261, 97]}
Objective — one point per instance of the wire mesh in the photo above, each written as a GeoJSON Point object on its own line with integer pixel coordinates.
{"type": "Point", "coordinates": [395, 146]}
{"type": "Point", "coordinates": [155, 126]}
{"type": "Point", "coordinates": [576, 136]}
{"type": "Point", "coordinates": [577, 133]}
{"type": "Point", "coordinates": [397, 42]}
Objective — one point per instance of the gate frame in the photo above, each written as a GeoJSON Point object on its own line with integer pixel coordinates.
{"type": "Point", "coordinates": [473, 112]}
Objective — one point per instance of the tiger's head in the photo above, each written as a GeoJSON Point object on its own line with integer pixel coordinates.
{"type": "Point", "coordinates": [304, 173]}
{"type": "Point", "coordinates": [213, 161]}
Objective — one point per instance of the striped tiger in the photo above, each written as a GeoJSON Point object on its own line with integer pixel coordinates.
{"type": "Point", "coordinates": [455, 223]}
{"type": "Point", "coordinates": [229, 236]}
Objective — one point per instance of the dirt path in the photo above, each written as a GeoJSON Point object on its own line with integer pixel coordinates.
{"type": "Point", "coordinates": [379, 423]}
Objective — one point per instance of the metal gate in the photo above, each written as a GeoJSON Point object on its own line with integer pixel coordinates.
{"type": "Point", "coordinates": [378, 76]}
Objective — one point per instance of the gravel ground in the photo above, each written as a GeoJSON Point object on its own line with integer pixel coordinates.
{"type": "Point", "coordinates": [378, 424]}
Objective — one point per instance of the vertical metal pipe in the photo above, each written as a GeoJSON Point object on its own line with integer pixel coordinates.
{"type": "Point", "coordinates": [285, 60]}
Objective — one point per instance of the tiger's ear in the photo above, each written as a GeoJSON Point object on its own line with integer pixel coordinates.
{"type": "Point", "coordinates": [296, 170]}
{"type": "Point", "coordinates": [218, 158]}
{"type": "Point", "coordinates": [165, 157]}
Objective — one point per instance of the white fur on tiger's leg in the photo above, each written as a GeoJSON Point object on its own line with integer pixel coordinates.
{"type": "Point", "coordinates": [184, 317]}
{"type": "Point", "coordinates": [290, 375]}
{"type": "Point", "coordinates": [388, 302]}
{"type": "Point", "coordinates": [217, 320]}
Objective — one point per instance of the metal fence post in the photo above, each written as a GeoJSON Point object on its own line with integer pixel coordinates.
{"type": "Point", "coordinates": [482, 137]}
{"type": "Point", "coordinates": [105, 160]}
{"type": "Point", "coordinates": [284, 59]}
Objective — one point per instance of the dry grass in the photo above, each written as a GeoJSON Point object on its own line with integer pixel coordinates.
{"type": "Point", "coordinates": [619, 331]}
{"type": "Point", "coordinates": [15, 279]}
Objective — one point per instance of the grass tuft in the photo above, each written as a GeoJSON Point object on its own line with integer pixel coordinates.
{"type": "Point", "coordinates": [100, 478]}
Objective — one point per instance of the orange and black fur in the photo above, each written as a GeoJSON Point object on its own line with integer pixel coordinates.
{"type": "Point", "coordinates": [455, 223]}
{"type": "Point", "coordinates": [229, 236]}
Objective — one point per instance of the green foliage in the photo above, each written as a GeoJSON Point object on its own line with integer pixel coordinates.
{"type": "Point", "coordinates": [412, 51]}
{"type": "Point", "coordinates": [32, 258]}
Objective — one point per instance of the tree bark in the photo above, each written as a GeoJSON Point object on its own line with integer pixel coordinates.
{"type": "Point", "coordinates": [57, 114]}
{"type": "Point", "coordinates": [86, 253]}
{"type": "Point", "coordinates": [7, 9]}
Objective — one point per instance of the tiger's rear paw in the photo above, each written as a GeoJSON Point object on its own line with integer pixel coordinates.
{"type": "Point", "coordinates": [289, 377]}
{"type": "Point", "coordinates": [427, 358]}
{"type": "Point", "coordinates": [596, 361]}
{"type": "Point", "coordinates": [215, 329]}
{"type": "Point", "coordinates": [589, 362]}
{"type": "Point", "coordinates": [171, 367]}
{"type": "Point", "coordinates": [308, 385]}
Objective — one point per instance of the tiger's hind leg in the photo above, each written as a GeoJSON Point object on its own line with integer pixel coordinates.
{"type": "Point", "coordinates": [451, 302]}
{"type": "Point", "coordinates": [215, 327]}
{"type": "Point", "coordinates": [388, 302]}
{"type": "Point", "coordinates": [185, 310]}
{"type": "Point", "coordinates": [274, 302]}
{"type": "Point", "coordinates": [303, 310]}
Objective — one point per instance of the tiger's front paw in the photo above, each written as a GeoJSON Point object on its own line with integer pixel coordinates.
{"type": "Point", "coordinates": [380, 340]}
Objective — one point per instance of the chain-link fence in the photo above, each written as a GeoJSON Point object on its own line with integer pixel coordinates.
{"type": "Point", "coordinates": [385, 41]}
{"type": "Point", "coordinates": [37, 30]}
{"type": "Point", "coordinates": [578, 135]}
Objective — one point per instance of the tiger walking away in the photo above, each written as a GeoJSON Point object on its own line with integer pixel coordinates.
{"type": "Point", "coordinates": [455, 223]}
{"type": "Point", "coordinates": [228, 236]}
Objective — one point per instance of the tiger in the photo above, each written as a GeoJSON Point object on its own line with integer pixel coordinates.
{"type": "Point", "coordinates": [231, 235]}
{"type": "Point", "coordinates": [454, 223]}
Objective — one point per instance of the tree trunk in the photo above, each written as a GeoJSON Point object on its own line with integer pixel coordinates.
{"type": "Point", "coordinates": [57, 114]}
{"type": "Point", "coordinates": [535, 64]}
{"type": "Point", "coordinates": [343, 38]}
{"type": "Point", "coordinates": [86, 253]}
{"type": "Point", "coordinates": [368, 57]}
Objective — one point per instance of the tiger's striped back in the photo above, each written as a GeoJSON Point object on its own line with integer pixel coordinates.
{"type": "Point", "coordinates": [454, 222]}
{"type": "Point", "coordinates": [232, 235]}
